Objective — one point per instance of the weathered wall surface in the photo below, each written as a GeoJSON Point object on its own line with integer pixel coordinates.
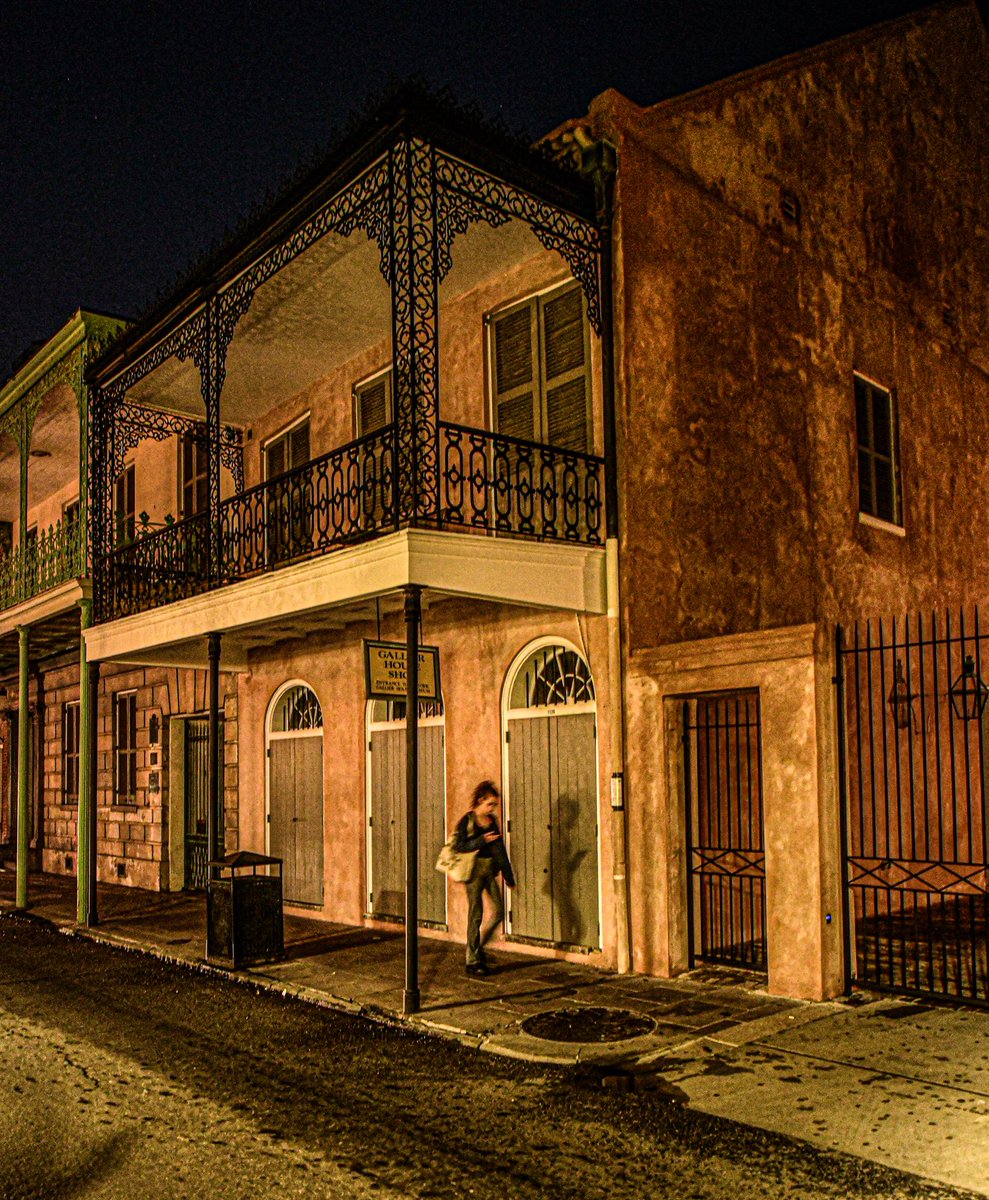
{"type": "Point", "coordinates": [741, 330]}
{"type": "Point", "coordinates": [132, 839]}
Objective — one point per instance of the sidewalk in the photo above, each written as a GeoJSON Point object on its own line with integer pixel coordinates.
{"type": "Point", "coordinates": [901, 1083]}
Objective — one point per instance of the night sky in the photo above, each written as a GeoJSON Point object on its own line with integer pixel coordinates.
{"type": "Point", "coordinates": [132, 134]}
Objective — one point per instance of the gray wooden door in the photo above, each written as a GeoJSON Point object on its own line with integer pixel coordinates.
{"type": "Point", "coordinates": [552, 764]}
{"type": "Point", "coordinates": [295, 815]}
{"type": "Point", "coordinates": [387, 822]}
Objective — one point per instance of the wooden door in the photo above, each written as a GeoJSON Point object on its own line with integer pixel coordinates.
{"type": "Point", "coordinates": [387, 822]}
{"type": "Point", "coordinates": [295, 815]}
{"type": "Point", "coordinates": [552, 764]}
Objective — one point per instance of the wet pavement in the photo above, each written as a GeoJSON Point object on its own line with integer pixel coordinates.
{"type": "Point", "coordinates": [900, 1083]}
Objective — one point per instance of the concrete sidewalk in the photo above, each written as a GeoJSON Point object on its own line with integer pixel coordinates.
{"type": "Point", "coordinates": [899, 1082]}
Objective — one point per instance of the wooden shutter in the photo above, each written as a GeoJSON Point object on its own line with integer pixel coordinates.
{"type": "Point", "coordinates": [373, 404]}
{"type": "Point", "coordinates": [298, 440]}
{"type": "Point", "coordinates": [515, 377]}
{"type": "Point", "coordinates": [275, 459]}
{"type": "Point", "coordinates": [564, 371]}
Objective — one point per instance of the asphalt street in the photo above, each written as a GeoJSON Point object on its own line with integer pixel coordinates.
{"type": "Point", "coordinates": [121, 1075]}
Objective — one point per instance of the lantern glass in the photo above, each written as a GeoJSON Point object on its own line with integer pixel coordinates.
{"type": "Point", "coordinates": [968, 694]}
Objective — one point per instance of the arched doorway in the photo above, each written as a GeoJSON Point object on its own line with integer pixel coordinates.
{"type": "Point", "coordinates": [294, 736]}
{"type": "Point", "coordinates": [386, 809]}
{"type": "Point", "coordinates": [551, 795]}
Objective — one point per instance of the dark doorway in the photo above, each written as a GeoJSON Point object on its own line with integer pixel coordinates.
{"type": "Point", "coordinates": [726, 895]}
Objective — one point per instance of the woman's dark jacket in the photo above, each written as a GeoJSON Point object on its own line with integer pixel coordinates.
{"type": "Point", "coordinates": [470, 836]}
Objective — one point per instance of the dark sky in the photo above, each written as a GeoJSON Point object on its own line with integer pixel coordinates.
{"type": "Point", "coordinates": [132, 134]}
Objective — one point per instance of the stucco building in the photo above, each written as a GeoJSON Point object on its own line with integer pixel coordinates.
{"type": "Point", "coordinates": [625, 427]}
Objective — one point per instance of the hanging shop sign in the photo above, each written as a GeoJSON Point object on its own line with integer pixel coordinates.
{"type": "Point", "coordinates": [384, 671]}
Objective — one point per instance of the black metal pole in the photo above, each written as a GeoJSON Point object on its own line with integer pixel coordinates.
{"type": "Point", "coordinates": [213, 814]}
{"type": "Point", "coordinates": [847, 952]}
{"type": "Point", "coordinates": [413, 610]}
{"type": "Point", "coordinates": [93, 912]}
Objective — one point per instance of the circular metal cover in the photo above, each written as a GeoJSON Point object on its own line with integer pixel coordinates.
{"type": "Point", "coordinates": [588, 1025]}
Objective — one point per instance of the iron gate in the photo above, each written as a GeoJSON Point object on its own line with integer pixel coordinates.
{"type": "Point", "coordinates": [726, 895]}
{"type": "Point", "coordinates": [913, 804]}
{"type": "Point", "coordinates": [196, 802]}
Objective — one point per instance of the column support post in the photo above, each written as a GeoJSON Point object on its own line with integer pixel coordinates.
{"type": "Point", "coordinates": [213, 751]}
{"type": "Point", "coordinates": [413, 613]}
{"type": "Point", "coordinates": [85, 823]}
{"type": "Point", "coordinates": [23, 771]}
{"type": "Point", "coordinates": [92, 905]}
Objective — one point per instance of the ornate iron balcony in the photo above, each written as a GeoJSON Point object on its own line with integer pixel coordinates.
{"type": "Point", "coordinates": [57, 555]}
{"type": "Point", "coordinates": [486, 483]}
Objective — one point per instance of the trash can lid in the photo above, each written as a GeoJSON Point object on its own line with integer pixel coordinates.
{"type": "Point", "coordinates": [245, 858]}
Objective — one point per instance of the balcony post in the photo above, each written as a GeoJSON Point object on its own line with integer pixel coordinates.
{"type": "Point", "coordinates": [85, 824]}
{"type": "Point", "coordinates": [413, 613]}
{"type": "Point", "coordinates": [414, 286]}
{"type": "Point", "coordinates": [213, 810]}
{"type": "Point", "coordinates": [93, 670]}
{"type": "Point", "coordinates": [212, 382]}
{"type": "Point", "coordinates": [23, 760]}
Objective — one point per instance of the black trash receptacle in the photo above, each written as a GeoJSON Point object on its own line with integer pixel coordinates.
{"type": "Point", "coordinates": [244, 910]}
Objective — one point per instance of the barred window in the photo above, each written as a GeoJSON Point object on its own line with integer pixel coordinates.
{"type": "Point", "coordinates": [70, 751]}
{"type": "Point", "coordinates": [125, 747]}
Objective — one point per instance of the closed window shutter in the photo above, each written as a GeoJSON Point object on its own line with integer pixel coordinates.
{"type": "Point", "coordinates": [372, 406]}
{"type": "Point", "coordinates": [564, 371]}
{"type": "Point", "coordinates": [276, 458]}
{"type": "Point", "coordinates": [515, 377]}
{"type": "Point", "coordinates": [299, 445]}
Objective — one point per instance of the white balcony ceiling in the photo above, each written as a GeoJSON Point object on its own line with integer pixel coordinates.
{"type": "Point", "coordinates": [324, 308]}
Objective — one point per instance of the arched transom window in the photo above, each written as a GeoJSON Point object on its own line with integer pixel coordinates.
{"type": "Point", "coordinates": [297, 710]}
{"type": "Point", "coordinates": [387, 712]}
{"type": "Point", "coordinates": [552, 676]}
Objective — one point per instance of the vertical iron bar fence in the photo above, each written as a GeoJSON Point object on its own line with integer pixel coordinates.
{"type": "Point", "coordinates": [727, 861]}
{"type": "Point", "coordinates": [913, 794]}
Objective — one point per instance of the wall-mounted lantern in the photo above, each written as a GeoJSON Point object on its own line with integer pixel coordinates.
{"type": "Point", "coordinates": [968, 694]}
{"type": "Point", "coordinates": [900, 700]}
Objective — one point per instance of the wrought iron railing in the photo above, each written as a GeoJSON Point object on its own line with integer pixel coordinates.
{"type": "Point", "coordinates": [342, 497]}
{"type": "Point", "coordinates": [55, 556]}
{"type": "Point", "coordinates": [487, 483]}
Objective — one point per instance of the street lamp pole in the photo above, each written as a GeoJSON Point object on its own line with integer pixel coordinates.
{"type": "Point", "coordinates": [413, 612]}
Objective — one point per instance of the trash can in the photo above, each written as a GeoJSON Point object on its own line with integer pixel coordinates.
{"type": "Point", "coordinates": [244, 910]}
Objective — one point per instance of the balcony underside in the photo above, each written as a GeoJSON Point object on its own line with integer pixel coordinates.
{"type": "Point", "coordinates": [332, 591]}
{"type": "Point", "coordinates": [51, 619]}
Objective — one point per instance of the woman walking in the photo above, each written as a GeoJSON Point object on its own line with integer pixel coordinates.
{"type": "Point", "coordinates": [478, 830]}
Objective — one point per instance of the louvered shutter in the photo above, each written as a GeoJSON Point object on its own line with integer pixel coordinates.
{"type": "Point", "coordinates": [298, 440]}
{"type": "Point", "coordinates": [564, 371]}
{"type": "Point", "coordinates": [275, 455]}
{"type": "Point", "coordinates": [372, 406]}
{"type": "Point", "coordinates": [514, 374]}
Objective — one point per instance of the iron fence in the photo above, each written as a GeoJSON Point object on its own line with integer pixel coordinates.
{"type": "Point", "coordinates": [726, 896]}
{"type": "Point", "coordinates": [55, 556]}
{"type": "Point", "coordinates": [914, 791]}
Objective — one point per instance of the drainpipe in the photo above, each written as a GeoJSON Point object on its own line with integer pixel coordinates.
{"type": "Point", "coordinates": [599, 163]}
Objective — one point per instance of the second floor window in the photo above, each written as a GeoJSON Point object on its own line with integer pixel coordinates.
{"type": "Point", "coordinates": [288, 451]}
{"type": "Point", "coordinates": [125, 748]}
{"type": "Point", "coordinates": [540, 370]}
{"type": "Point", "coordinates": [878, 470]}
{"type": "Point", "coordinates": [70, 751]}
{"type": "Point", "coordinates": [372, 404]}
{"type": "Point", "coordinates": [70, 513]}
{"type": "Point", "coordinates": [193, 493]}
{"type": "Point", "coordinates": [124, 505]}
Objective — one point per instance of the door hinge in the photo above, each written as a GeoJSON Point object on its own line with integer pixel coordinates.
{"type": "Point", "coordinates": [508, 827]}
{"type": "Point", "coordinates": [508, 736]}
{"type": "Point", "coordinates": [370, 821]}
{"type": "Point", "coordinates": [268, 752]}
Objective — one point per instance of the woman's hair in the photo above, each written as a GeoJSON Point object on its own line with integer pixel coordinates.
{"type": "Point", "coordinates": [484, 789]}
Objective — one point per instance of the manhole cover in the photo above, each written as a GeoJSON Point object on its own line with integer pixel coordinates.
{"type": "Point", "coordinates": [588, 1025]}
